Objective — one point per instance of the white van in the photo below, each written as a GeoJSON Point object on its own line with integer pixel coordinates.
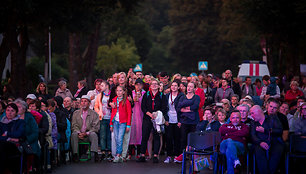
{"type": "Point", "coordinates": [254, 69]}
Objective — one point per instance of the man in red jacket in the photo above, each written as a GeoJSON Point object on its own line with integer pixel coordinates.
{"type": "Point", "coordinates": [233, 142]}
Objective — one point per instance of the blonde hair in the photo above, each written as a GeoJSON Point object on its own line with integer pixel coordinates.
{"type": "Point", "coordinates": [46, 88]}
{"type": "Point", "coordinates": [198, 83]}
{"type": "Point", "coordinates": [220, 111]}
{"type": "Point", "coordinates": [119, 74]}
{"type": "Point", "coordinates": [124, 95]}
{"type": "Point", "coordinates": [175, 76]}
{"type": "Point", "coordinates": [294, 83]}
{"type": "Point", "coordinates": [154, 79]}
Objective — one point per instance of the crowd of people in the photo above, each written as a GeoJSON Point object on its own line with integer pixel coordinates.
{"type": "Point", "coordinates": [137, 116]}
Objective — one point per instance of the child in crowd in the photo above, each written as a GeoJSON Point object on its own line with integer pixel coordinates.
{"type": "Point", "coordinates": [120, 121]}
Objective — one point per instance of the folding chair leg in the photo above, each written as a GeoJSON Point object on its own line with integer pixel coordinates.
{"type": "Point", "coordinates": [254, 164]}
{"type": "Point", "coordinates": [184, 163]}
{"type": "Point", "coordinates": [191, 169]}
{"type": "Point", "coordinates": [216, 163]}
{"type": "Point", "coordinates": [248, 162]}
{"type": "Point", "coordinates": [287, 164]}
{"type": "Point", "coordinates": [21, 162]}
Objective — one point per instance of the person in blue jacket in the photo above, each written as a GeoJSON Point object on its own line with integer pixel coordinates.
{"type": "Point", "coordinates": [12, 130]}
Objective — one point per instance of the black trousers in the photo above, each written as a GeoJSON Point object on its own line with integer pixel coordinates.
{"type": "Point", "coordinates": [10, 157]}
{"type": "Point", "coordinates": [185, 130]}
{"type": "Point", "coordinates": [173, 139]}
{"type": "Point", "coordinates": [267, 161]}
{"type": "Point", "coordinates": [147, 127]}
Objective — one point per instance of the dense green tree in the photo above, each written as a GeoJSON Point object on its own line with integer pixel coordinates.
{"type": "Point", "coordinates": [120, 24]}
{"type": "Point", "coordinates": [34, 68]}
{"type": "Point", "coordinates": [119, 56]}
{"type": "Point", "coordinates": [78, 16]}
{"type": "Point", "coordinates": [159, 57]}
{"type": "Point", "coordinates": [195, 36]}
{"type": "Point", "coordinates": [281, 24]}
{"type": "Point", "coordinates": [215, 31]}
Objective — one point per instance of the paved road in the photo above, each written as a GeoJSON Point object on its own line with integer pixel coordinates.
{"type": "Point", "coordinates": [130, 167]}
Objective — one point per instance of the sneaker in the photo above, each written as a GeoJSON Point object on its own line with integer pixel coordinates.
{"type": "Point", "coordinates": [129, 157]}
{"type": "Point", "coordinates": [109, 157]}
{"type": "Point", "coordinates": [138, 156]}
{"type": "Point", "coordinates": [179, 159]}
{"type": "Point", "coordinates": [121, 159]}
{"type": "Point", "coordinates": [76, 158]}
{"type": "Point", "coordinates": [116, 159]}
{"type": "Point", "coordinates": [97, 157]}
{"type": "Point", "coordinates": [103, 156]}
{"type": "Point", "coordinates": [237, 164]}
{"type": "Point", "coordinates": [141, 159]}
{"type": "Point", "coordinates": [155, 160]}
{"type": "Point", "coordinates": [167, 160]}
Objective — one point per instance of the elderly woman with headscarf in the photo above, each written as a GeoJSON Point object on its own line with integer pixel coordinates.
{"type": "Point", "coordinates": [12, 129]}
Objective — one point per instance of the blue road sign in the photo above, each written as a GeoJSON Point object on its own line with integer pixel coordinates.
{"type": "Point", "coordinates": [138, 68]}
{"type": "Point", "coordinates": [203, 65]}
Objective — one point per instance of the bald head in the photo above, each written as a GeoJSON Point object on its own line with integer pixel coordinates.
{"type": "Point", "coordinates": [228, 74]}
{"type": "Point", "coordinates": [67, 102]}
{"type": "Point", "coordinates": [257, 113]}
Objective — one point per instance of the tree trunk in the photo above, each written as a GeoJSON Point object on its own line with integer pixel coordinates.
{"type": "Point", "coordinates": [90, 55]}
{"type": "Point", "coordinates": [4, 51]}
{"type": "Point", "coordinates": [74, 60]}
{"type": "Point", "coordinates": [18, 56]}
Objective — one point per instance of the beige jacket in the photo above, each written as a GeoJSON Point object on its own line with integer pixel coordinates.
{"type": "Point", "coordinates": [92, 121]}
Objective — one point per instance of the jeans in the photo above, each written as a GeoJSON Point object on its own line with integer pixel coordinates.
{"type": "Point", "coordinates": [231, 149]}
{"type": "Point", "coordinates": [119, 131]}
{"type": "Point", "coordinates": [105, 135]}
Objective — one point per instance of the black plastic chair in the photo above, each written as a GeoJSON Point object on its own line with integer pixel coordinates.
{"type": "Point", "coordinates": [297, 149]}
{"type": "Point", "coordinates": [201, 143]}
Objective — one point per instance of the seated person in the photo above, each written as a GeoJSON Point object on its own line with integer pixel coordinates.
{"type": "Point", "coordinates": [12, 129]}
{"type": "Point", "coordinates": [272, 110]}
{"type": "Point", "coordinates": [266, 134]}
{"type": "Point", "coordinates": [85, 126]}
{"type": "Point", "coordinates": [244, 112]}
{"type": "Point", "coordinates": [208, 123]}
{"type": "Point", "coordinates": [299, 124]}
{"type": "Point", "coordinates": [233, 141]}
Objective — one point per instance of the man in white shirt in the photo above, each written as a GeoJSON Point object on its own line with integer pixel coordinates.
{"type": "Point", "coordinates": [94, 93]}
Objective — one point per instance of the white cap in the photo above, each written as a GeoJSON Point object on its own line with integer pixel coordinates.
{"type": "Point", "coordinates": [248, 97]}
{"type": "Point", "coordinates": [31, 96]}
{"type": "Point", "coordinates": [86, 97]}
